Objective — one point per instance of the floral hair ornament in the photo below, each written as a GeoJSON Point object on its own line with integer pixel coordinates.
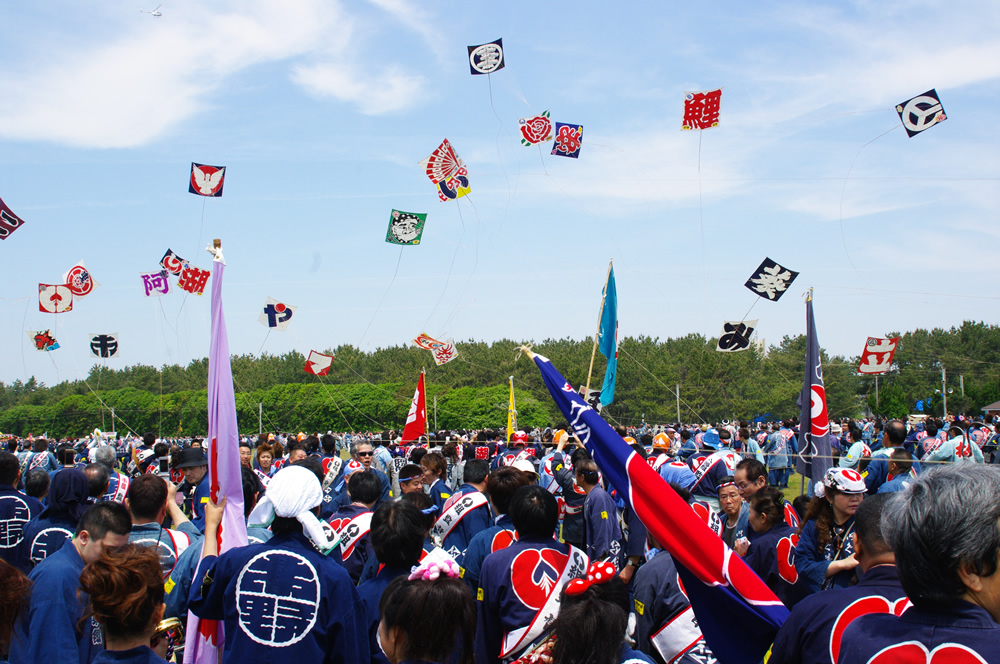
{"type": "Point", "coordinates": [600, 572]}
{"type": "Point", "coordinates": [436, 564]}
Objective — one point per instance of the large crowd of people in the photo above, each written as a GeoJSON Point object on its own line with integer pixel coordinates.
{"type": "Point", "coordinates": [493, 547]}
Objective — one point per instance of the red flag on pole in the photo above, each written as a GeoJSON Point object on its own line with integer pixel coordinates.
{"type": "Point", "coordinates": [416, 419]}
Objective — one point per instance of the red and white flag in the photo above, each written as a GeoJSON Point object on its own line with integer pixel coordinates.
{"type": "Point", "coordinates": [416, 419]}
{"type": "Point", "coordinates": [318, 364]}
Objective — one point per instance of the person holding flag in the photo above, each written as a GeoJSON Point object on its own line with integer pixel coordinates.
{"type": "Point", "coordinates": [286, 595]}
{"type": "Point", "coordinates": [738, 615]}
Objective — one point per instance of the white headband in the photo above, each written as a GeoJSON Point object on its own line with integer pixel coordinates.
{"type": "Point", "coordinates": [293, 492]}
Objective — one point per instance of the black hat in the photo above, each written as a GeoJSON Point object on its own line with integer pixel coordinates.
{"type": "Point", "coordinates": [191, 458]}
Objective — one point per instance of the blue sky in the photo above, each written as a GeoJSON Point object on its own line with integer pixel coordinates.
{"type": "Point", "coordinates": [321, 111]}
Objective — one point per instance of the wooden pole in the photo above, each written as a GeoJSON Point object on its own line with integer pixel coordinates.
{"type": "Point", "coordinates": [600, 313]}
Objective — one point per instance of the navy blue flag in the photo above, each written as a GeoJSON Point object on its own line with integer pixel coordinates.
{"type": "Point", "coordinates": [737, 613]}
{"type": "Point", "coordinates": [815, 457]}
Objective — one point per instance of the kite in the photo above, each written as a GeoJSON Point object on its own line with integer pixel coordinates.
{"type": "Point", "coordinates": [443, 351]}
{"type": "Point", "coordinates": [535, 130]}
{"type": "Point", "coordinates": [193, 279]}
{"type": "Point", "coordinates": [43, 340]}
{"type": "Point", "coordinates": [54, 298]}
{"type": "Point", "coordinates": [155, 284]}
{"type": "Point", "coordinates": [173, 263]}
{"type": "Point", "coordinates": [206, 180]}
{"type": "Point", "coordinates": [921, 113]}
{"type": "Point", "coordinates": [701, 109]}
{"type": "Point", "coordinates": [318, 364]}
{"type": "Point", "coordinates": [569, 138]}
{"type": "Point", "coordinates": [877, 356]}
{"type": "Point", "coordinates": [593, 397]}
{"type": "Point", "coordinates": [9, 222]}
{"type": "Point", "coordinates": [405, 227]}
{"type": "Point", "coordinates": [771, 280]}
{"type": "Point", "coordinates": [104, 345]}
{"type": "Point", "coordinates": [79, 280]}
{"type": "Point", "coordinates": [276, 315]}
{"type": "Point", "coordinates": [447, 170]}
{"type": "Point", "coordinates": [486, 58]}
{"type": "Point", "coordinates": [735, 335]}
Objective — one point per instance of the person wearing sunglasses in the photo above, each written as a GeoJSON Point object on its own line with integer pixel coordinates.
{"type": "Point", "coordinates": [362, 452]}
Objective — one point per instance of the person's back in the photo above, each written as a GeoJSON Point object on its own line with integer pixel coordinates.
{"type": "Point", "coordinates": [397, 539]}
{"type": "Point", "coordinates": [945, 536]}
{"type": "Point", "coordinates": [519, 586]}
{"type": "Point", "coordinates": [52, 628]}
{"type": "Point", "coordinates": [16, 510]}
{"type": "Point", "coordinates": [815, 628]}
{"type": "Point", "coordinates": [46, 534]}
{"type": "Point", "coordinates": [283, 600]}
{"type": "Point", "coordinates": [665, 626]}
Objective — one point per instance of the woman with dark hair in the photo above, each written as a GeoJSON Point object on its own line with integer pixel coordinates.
{"type": "Point", "coordinates": [435, 468]}
{"type": "Point", "coordinates": [824, 556]}
{"type": "Point", "coordinates": [427, 616]}
{"type": "Point", "coordinates": [769, 554]}
{"type": "Point", "coordinates": [592, 621]}
{"type": "Point", "coordinates": [14, 591]}
{"type": "Point", "coordinates": [126, 598]}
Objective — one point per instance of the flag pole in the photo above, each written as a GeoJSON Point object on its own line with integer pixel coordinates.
{"type": "Point", "coordinates": [600, 314]}
{"type": "Point", "coordinates": [423, 372]}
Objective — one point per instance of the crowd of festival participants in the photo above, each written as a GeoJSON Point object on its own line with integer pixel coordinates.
{"type": "Point", "coordinates": [465, 546]}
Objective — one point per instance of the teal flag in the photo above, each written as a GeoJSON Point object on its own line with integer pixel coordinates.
{"type": "Point", "coordinates": [608, 342]}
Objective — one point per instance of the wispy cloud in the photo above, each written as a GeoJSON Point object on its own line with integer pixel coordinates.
{"type": "Point", "coordinates": [154, 73]}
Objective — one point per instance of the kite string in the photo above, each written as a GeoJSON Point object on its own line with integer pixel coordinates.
{"type": "Point", "coordinates": [386, 293]}
{"type": "Point", "coordinates": [451, 267]}
{"type": "Point", "coordinates": [24, 322]}
{"type": "Point", "coordinates": [503, 168]}
{"type": "Point", "coordinates": [201, 226]}
{"type": "Point", "coordinates": [656, 378]}
{"type": "Point", "coordinates": [475, 266]}
{"type": "Point", "coordinates": [264, 342]}
{"type": "Point", "coordinates": [755, 301]}
{"type": "Point", "coordinates": [701, 226]}
{"type": "Point", "coordinates": [350, 427]}
{"type": "Point", "coordinates": [843, 189]}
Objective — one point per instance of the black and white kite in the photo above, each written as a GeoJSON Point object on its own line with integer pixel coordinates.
{"type": "Point", "coordinates": [104, 345]}
{"type": "Point", "coordinates": [486, 58]}
{"type": "Point", "coordinates": [921, 113]}
{"type": "Point", "coordinates": [735, 335]}
{"type": "Point", "coordinates": [771, 280]}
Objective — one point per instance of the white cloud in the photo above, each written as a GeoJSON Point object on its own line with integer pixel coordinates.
{"type": "Point", "coordinates": [389, 91]}
{"type": "Point", "coordinates": [153, 73]}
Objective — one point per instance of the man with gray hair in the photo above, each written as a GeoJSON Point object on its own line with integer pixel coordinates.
{"type": "Point", "coordinates": [945, 532]}
{"type": "Point", "coordinates": [118, 482]}
{"type": "Point", "coordinates": [362, 452]}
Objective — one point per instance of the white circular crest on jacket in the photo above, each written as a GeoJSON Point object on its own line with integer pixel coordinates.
{"type": "Point", "coordinates": [277, 598]}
